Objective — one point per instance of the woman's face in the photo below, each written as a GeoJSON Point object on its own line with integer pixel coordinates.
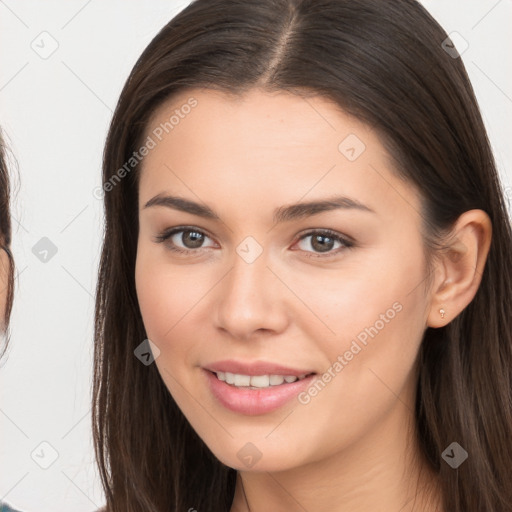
{"type": "Point", "coordinates": [262, 291]}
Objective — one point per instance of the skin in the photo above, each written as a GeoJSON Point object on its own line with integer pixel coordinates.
{"type": "Point", "coordinates": [4, 275]}
{"type": "Point", "coordinates": [352, 447]}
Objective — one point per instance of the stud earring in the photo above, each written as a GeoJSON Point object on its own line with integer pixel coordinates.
{"type": "Point", "coordinates": [442, 312]}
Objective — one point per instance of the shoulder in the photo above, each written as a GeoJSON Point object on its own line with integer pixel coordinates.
{"type": "Point", "coordinates": [6, 508]}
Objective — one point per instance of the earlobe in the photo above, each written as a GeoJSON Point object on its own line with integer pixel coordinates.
{"type": "Point", "coordinates": [461, 265]}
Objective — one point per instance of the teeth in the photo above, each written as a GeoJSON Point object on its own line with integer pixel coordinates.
{"type": "Point", "coordinates": [256, 381]}
{"type": "Point", "coordinates": [242, 380]}
{"type": "Point", "coordinates": [260, 381]}
{"type": "Point", "coordinates": [275, 380]}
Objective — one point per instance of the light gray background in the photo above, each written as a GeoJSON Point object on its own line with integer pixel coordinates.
{"type": "Point", "coordinates": [55, 111]}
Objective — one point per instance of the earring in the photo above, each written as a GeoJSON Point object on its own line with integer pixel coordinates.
{"type": "Point", "coordinates": [442, 312]}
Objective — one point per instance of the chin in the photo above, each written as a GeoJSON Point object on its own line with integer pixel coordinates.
{"type": "Point", "coordinates": [258, 455]}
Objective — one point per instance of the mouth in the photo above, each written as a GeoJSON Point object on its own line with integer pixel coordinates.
{"type": "Point", "coordinates": [238, 380]}
{"type": "Point", "coordinates": [255, 388]}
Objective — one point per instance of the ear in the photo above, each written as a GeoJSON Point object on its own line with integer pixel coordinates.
{"type": "Point", "coordinates": [459, 267]}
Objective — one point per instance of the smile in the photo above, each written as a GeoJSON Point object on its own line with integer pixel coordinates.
{"type": "Point", "coordinates": [255, 388]}
{"type": "Point", "coordinates": [256, 381]}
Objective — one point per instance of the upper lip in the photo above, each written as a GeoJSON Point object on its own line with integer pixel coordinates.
{"type": "Point", "coordinates": [255, 368]}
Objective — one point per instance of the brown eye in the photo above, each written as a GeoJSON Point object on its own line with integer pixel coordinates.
{"type": "Point", "coordinates": [183, 239]}
{"type": "Point", "coordinates": [191, 239]}
{"type": "Point", "coordinates": [320, 243]}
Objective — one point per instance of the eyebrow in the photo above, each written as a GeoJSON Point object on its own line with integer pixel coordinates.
{"type": "Point", "coordinates": [282, 214]}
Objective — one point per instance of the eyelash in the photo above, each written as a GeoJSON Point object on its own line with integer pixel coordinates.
{"type": "Point", "coordinates": [347, 244]}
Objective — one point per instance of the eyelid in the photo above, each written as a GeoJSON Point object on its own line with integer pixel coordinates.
{"type": "Point", "coordinates": [327, 232]}
{"type": "Point", "coordinates": [168, 233]}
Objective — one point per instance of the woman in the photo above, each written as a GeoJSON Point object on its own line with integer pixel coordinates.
{"type": "Point", "coordinates": [305, 288]}
{"type": "Point", "coordinates": [6, 260]}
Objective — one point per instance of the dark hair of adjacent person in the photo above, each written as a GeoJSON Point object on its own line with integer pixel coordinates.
{"type": "Point", "coordinates": [382, 62]}
{"type": "Point", "coordinates": [5, 242]}
{"type": "Point", "coordinates": [5, 231]}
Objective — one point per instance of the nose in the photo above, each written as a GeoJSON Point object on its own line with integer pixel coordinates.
{"type": "Point", "coordinates": [251, 300]}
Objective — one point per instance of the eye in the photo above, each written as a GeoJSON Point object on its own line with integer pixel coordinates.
{"type": "Point", "coordinates": [322, 242]}
{"type": "Point", "coordinates": [190, 238]}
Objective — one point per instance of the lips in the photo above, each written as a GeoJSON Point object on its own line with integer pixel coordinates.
{"type": "Point", "coordinates": [256, 368]}
{"type": "Point", "coordinates": [273, 386]}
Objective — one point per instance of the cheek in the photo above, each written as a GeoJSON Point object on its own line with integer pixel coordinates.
{"type": "Point", "coordinates": [377, 314]}
{"type": "Point", "coordinates": [166, 293]}
{"type": "Point", "coordinates": [171, 300]}
{"type": "Point", "coordinates": [157, 305]}
{"type": "Point", "coordinates": [164, 298]}
{"type": "Point", "coordinates": [367, 290]}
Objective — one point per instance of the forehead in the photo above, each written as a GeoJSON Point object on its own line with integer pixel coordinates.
{"type": "Point", "coordinates": [255, 118]}
{"type": "Point", "coordinates": [272, 143]}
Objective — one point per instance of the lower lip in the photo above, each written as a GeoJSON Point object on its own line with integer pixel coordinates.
{"type": "Point", "coordinates": [252, 402]}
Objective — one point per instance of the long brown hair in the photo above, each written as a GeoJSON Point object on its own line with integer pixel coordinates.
{"type": "Point", "coordinates": [386, 64]}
